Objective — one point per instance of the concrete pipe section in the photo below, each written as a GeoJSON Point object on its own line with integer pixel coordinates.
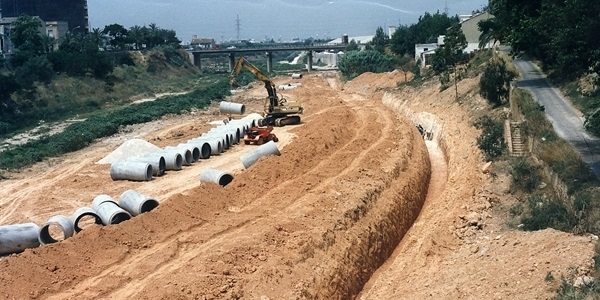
{"type": "Point", "coordinates": [215, 144]}
{"type": "Point", "coordinates": [232, 108]}
{"type": "Point", "coordinates": [58, 228]}
{"type": "Point", "coordinates": [225, 141]}
{"type": "Point", "coordinates": [108, 210]}
{"type": "Point", "coordinates": [185, 153]}
{"type": "Point", "coordinates": [296, 75]}
{"type": "Point", "coordinates": [194, 150]}
{"type": "Point", "coordinates": [134, 171]}
{"type": "Point", "coordinates": [264, 150]}
{"type": "Point", "coordinates": [203, 147]}
{"type": "Point", "coordinates": [173, 160]}
{"type": "Point", "coordinates": [215, 176]}
{"type": "Point", "coordinates": [84, 217]}
{"type": "Point", "coordinates": [136, 203]}
{"type": "Point", "coordinates": [158, 164]}
{"type": "Point", "coordinates": [16, 238]}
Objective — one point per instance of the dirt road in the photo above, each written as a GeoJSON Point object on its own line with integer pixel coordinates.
{"type": "Point", "coordinates": [314, 223]}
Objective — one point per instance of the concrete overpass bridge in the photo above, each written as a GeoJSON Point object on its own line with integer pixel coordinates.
{"type": "Point", "coordinates": [231, 53]}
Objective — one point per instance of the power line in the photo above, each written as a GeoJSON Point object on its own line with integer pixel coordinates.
{"type": "Point", "coordinates": [237, 27]}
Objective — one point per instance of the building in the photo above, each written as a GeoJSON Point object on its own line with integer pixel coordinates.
{"type": "Point", "coordinates": [6, 25]}
{"type": "Point", "coordinates": [203, 43]}
{"type": "Point", "coordinates": [73, 12]}
{"type": "Point", "coordinates": [471, 31]}
{"type": "Point", "coordinates": [424, 51]}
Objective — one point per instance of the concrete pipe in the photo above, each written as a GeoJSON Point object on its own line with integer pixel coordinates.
{"type": "Point", "coordinates": [82, 217]}
{"type": "Point", "coordinates": [296, 75]}
{"type": "Point", "coordinates": [134, 171]}
{"type": "Point", "coordinates": [195, 150]}
{"type": "Point", "coordinates": [185, 153]}
{"type": "Point", "coordinates": [158, 163]}
{"type": "Point", "coordinates": [221, 138]}
{"type": "Point", "coordinates": [232, 108]}
{"type": "Point", "coordinates": [203, 147]}
{"type": "Point", "coordinates": [215, 176]}
{"type": "Point", "coordinates": [48, 233]}
{"type": "Point", "coordinates": [136, 203]}
{"type": "Point", "coordinates": [224, 133]}
{"type": "Point", "coordinates": [215, 144]}
{"type": "Point", "coordinates": [108, 210]}
{"type": "Point", "coordinates": [173, 160]}
{"type": "Point", "coordinates": [16, 238]}
{"type": "Point", "coordinates": [231, 133]}
{"type": "Point", "coordinates": [264, 150]}
{"type": "Point", "coordinates": [236, 129]}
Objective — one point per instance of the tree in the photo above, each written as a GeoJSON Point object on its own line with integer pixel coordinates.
{"type": "Point", "coordinates": [426, 30]}
{"type": "Point", "coordinates": [355, 63]}
{"type": "Point", "coordinates": [380, 40]}
{"type": "Point", "coordinates": [407, 64]}
{"type": "Point", "coordinates": [447, 58]}
{"type": "Point", "coordinates": [352, 46]}
{"type": "Point", "coordinates": [27, 36]}
{"type": "Point", "coordinates": [495, 82]}
{"type": "Point", "coordinates": [491, 32]}
{"type": "Point", "coordinates": [117, 35]}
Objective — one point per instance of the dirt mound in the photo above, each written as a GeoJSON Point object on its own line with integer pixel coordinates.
{"type": "Point", "coordinates": [371, 82]}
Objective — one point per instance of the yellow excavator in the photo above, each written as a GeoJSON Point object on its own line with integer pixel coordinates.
{"type": "Point", "coordinates": [277, 111]}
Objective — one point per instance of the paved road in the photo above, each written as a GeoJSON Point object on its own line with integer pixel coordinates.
{"type": "Point", "coordinates": [567, 121]}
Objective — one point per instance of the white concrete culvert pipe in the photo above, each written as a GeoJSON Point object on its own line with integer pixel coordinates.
{"type": "Point", "coordinates": [158, 164]}
{"type": "Point", "coordinates": [108, 210]}
{"type": "Point", "coordinates": [253, 119]}
{"type": "Point", "coordinates": [232, 108]}
{"type": "Point", "coordinates": [49, 231]}
{"type": "Point", "coordinates": [186, 154]}
{"type": "Point", "coordinates": [266, 149]}
{"type": "Point", "coordinates": [226, 138]}
{"type": "Point", "coordinates": [173, 160]}
{"type": "Point", "coordinates": [82, 218]}
{"type": "Point", "coordinates": [194, 150]}
{"type": "Point", "coordinates": [16, 238]}
{"type": "Point", "coordinates": [215, 176]}
{"type": "Point", "coordinates": [215, 142]}
{"type": "Point", "coordinates": [230, 132]}
{"type": "Point", "coordinates": [204, 147]}
{"type": "Point", "coordinates": [136, 203]}
{"type": "Point", "coordinates": [134, 171]}
{"type": "Point", "coordinates": [215, 145]}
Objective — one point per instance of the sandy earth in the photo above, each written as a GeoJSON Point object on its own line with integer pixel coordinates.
{"type": "Point", "coordinates": [331, 218]}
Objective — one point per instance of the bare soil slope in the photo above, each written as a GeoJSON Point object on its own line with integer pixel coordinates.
{"type": "Point", "coordinates": [314, 223]}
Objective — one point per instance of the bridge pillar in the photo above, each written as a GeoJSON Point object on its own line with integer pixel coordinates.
{"type": "Point", "coordinates": [269, 62]}
{"type": "Point", "coordinates": [197, 61]}
{"type": "Point", "coordinates": [310, 60]}
{"type": "Point", "coordinates": [231, 61]}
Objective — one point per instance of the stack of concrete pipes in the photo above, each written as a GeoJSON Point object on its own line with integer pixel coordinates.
{"type": "Point", "coordinates": [104, 211]}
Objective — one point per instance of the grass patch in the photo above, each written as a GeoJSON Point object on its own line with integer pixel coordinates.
{"type": "Point", "coordinates": [79, 135]}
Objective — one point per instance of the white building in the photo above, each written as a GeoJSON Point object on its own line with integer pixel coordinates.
{"type": "Point", "coordinates": [423, 53]}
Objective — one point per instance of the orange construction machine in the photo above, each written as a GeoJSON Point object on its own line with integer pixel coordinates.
{"type": "Point", "coordinates": [260, 135]}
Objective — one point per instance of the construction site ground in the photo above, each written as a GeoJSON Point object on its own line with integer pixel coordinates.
{"type": "Point", "coordinates": [358, 205]}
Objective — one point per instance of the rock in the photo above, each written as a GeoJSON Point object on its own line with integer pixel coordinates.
{"type": "Point", "coordinates": [542, 185]}
{"type": "Point", "coordinates": [487, 167]}
{"type": "Point", "coordinates": [473, 218]}
{"type": "Point", "coordinates": [583, 281]}
{"type": "Point", "coordinates": [474, 249]}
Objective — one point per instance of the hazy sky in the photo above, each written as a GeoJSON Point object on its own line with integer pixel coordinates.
{"type": "Point", "coordinates": [275, 19]}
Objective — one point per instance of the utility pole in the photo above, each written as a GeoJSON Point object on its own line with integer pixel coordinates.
{"type": "Point", "coordinates": [237, 27]}
{"type": "Point", "coordinates": [446, 8]}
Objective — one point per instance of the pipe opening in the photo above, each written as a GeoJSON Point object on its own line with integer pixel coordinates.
{"type": "Point", "coordinates": [149, 205]}
{"type": "Point", "coordinates": [162, 166]}
{"type": "Point", "coordinates": [179, 161]}
{"type": "Point", "coordinates": [195, 154]}
{"type": "Point", "coordinates": [52, 233]}
{"type": "Point", "coordinates": [206, 150]}
{"type": "Point", "coordinates": [225, 179]}
{"type": "Point", "coordinates": [87, 221]}
{"type": "Point", "coordinates": [119, 217]}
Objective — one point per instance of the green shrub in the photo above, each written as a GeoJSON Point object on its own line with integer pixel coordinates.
{"type": "Point", "coordinates": [494, 84]}
{"type": "Point", "coordinates": [548, 213]}
{"type": "Point", "coordinates": [354, 63]}
{"type": "Point", "coordinates": [491, 141]}
{"type": "Point", "coordinates": [525, 176]}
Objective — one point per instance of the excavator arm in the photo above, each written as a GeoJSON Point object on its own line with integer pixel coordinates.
{"type": "Point", "coordinates": [258, 74]}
